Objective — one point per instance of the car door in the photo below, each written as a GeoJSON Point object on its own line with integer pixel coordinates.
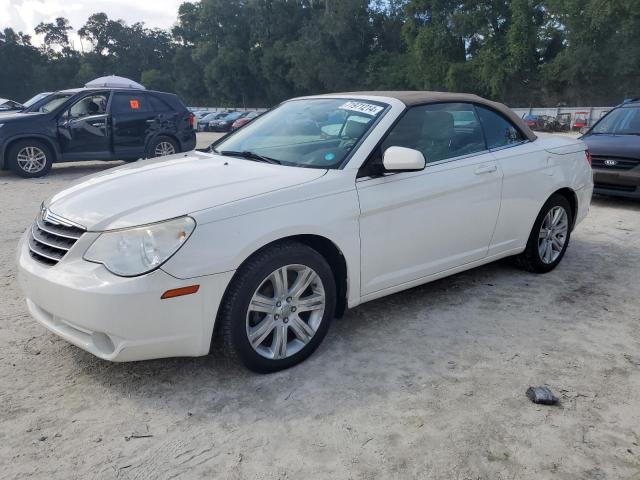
{"type": "Point", "coordinates": [133, 120]}
{"type": "Point", "coordinates": [417, 224]}
{"type": "Point", "coordinates": [84, 129]}
{"type": "Point", "coordinates": [528, 171]}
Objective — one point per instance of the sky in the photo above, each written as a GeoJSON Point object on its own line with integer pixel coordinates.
{"type": "Point", "coordinates": [24, 15]}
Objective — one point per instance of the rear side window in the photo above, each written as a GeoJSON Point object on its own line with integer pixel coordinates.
{"type": "Point", "coordinates": [129, 103]}
{"type": "Point", "coordinates": [157, 104]}
{"type": "Point", "coordinates": [498, 131]}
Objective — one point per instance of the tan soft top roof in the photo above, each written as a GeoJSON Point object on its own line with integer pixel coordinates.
{"type": "Point", "coordinates": [411, 98]}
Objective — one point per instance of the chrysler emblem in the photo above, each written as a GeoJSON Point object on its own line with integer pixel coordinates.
{"type": "Point", "coordinates": [610, 163]}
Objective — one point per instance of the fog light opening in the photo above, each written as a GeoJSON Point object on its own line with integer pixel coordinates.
{"type": "Point", "coordinates": [103, 342]}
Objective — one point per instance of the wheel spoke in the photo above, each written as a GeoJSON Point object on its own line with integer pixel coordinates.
{"type": "Point", "coordinates": [280, 282]}
{"type": "Point", "coordinates": [548, 252]}
{"type": "Point", "coordinates": [312, 302]}
{"type": "Point", "coordinates": [558, 214]}
{"type": "Point", "coordinates": [304, 279]}
{"type": "Point", "coordinates": [261, 331]}
{"type": "Point", "coordinates": [279, 345]}
{"type": "Point", "coordinates": [301, 329]}
{"type": "Point", "coordinates": [557, 243]}
{"type": "Point", "coordinates": [260, 303]}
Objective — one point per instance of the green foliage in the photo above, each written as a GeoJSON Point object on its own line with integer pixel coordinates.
{"type": "Point", "coordinates": [259, 52]}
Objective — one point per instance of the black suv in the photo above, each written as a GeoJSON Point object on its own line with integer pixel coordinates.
{"type": "Point", "coordinates": [94, 124]}
{"type": "Point", "coordinates": [614, 143]}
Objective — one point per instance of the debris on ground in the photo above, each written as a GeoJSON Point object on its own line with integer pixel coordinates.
{"type": "Point", "coordinates": [541, 395]}
{"type": "Point", "coordinates": [136, 435]}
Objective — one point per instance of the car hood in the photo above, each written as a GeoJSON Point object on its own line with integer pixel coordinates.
{"type": "Point", "coordinates": [19, 116]}
{"type": "Point", "coordinates": [627, 146]}
{"type": "Point", "coordinates": [154, 190]}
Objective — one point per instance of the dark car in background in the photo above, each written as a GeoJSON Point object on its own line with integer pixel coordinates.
{"type": "Point", "coordinates": [224, 124]}
{"type": "Point", "coordinates": [7, 105]}
{"type": "Point", "coordinates": [94, 124]}
{"type": "Point", "coordinates": [614, 143]}
{"type": "Point", "coordinates": [205, 120]}
{"type": "Point", "coordinates": [244, 120]}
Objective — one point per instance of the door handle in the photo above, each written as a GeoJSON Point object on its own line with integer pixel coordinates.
{"type": "Point", "coordinates": [485, 169]}
{"type": "Point", "coordinates": [98, 124]}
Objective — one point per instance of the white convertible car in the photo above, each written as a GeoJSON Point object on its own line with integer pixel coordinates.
{"type": "Point", "coordinates": [321, 204]}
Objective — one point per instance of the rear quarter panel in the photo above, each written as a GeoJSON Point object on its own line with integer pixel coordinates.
{"type": "Point", "coordinates": [532, 173]}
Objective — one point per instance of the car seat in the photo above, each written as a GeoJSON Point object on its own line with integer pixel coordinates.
{"type": "Point", "coordinates": [438, 136]}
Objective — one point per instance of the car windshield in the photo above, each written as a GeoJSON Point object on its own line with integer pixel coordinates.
{"type": "Point", "coordinates": [621, 121]}
{"type": "Point", "coordinates": [49, 103]}
{"type": "Point", "coordinates": [36, 98]}
{"type": "Point", "coordinates": [315, 133]}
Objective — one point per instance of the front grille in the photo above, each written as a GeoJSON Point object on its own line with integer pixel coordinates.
{"type": "Point", "coordinates": [611, 186]}
{"type": "Point", "coordinates": [52, 237]}
{"type": "Point", "coordinates": [614, 163]}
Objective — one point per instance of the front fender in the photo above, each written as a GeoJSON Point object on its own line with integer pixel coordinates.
{"type": "Point", "coordinates": [4, 146]}
{"type": "Point", "coordinates": [223, 245]}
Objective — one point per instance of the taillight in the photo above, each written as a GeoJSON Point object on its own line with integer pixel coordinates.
{"type": "Point", "coordinates": [588, 155]}
{"type": "Point", "coordinates": [192, 120]}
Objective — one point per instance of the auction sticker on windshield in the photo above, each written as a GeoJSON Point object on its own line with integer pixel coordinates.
{"type": "Point", "coordinates": [362, 107]}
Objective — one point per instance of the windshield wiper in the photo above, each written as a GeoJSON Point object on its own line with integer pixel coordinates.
{"type": "Point", "coordinates": [251, 156]}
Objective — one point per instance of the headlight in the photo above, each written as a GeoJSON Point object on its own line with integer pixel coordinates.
{"type": "Point", "coordinates": [140, 250]}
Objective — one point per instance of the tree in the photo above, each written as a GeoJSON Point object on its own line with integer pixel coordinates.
{"type": "Point", "coordinates": [55, 34]}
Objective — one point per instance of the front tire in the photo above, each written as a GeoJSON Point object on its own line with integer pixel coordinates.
{"type": "Point", "coordinates": [549, 237]}
{"type": "Point", "coordinates": [278, 307]}
{"type": "Point", "coordinates": [30, 158]}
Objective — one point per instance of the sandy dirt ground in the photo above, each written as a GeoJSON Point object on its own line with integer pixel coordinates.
{"type": "Point", "coordinates": [427, 383]}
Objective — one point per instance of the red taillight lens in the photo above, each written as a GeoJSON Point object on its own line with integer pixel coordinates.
{"type": "Point", "coordinates": [588, 155]}
{"type": "Point", "coordinates": [192, 120]}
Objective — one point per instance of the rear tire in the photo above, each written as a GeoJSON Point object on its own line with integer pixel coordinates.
{"type": "Point", "coordinates": [30, 158]}
{"type": "Point", "coordinates": [162, 146]}
{"type": "Point", "coordinates": [267, 323]}
{"type": "Point", "coordinates": [549, 237]}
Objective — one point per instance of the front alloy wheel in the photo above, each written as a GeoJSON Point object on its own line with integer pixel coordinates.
{"type": "Point", "coordinates": [285, 311]}
{"type": "Point", "coordinates": [30, 158]}
{"type": "Point", "coordinates": [278, 307]}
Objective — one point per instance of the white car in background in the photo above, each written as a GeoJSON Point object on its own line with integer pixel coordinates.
{"type": "Point", "coordinates": [321, 204]}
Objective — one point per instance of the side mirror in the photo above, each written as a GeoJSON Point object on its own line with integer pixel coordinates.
{"type": "Point", "coordinates": [401, 159]}
{"type": "Point", "coordinates": [584, 130]}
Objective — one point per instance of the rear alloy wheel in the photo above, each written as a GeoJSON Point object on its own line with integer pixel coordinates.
{"type": "Point", "coordinates": [278, 307]}
{"type": "Point", "coordinates": [161, 147]}
{"type": "Point", "coordinates": [30, 158]}
{"type": "Point", "coordinates": [549, 237]}
{"type": "Point", "coordinates": [553, 234]}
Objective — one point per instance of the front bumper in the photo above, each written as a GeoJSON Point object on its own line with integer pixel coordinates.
{"type": "Point", "coordinates": [116, 318]}
{"type": "Point", "coordinates": [624, 183]}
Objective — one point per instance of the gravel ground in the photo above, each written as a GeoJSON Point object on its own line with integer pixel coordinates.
{"type": "Point", "coordinates": [427, 383]}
